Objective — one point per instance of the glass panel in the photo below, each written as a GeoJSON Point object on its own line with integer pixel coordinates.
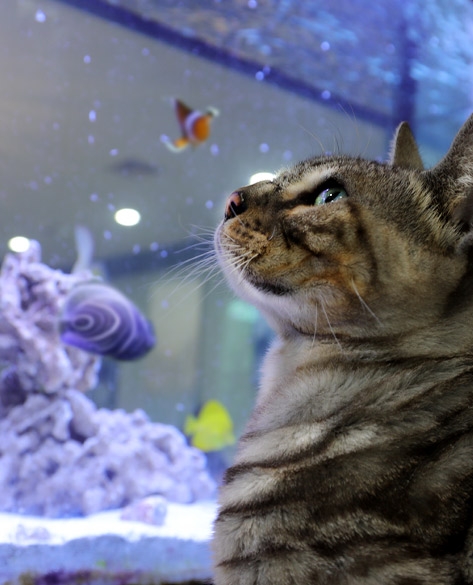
{"type": "Point", "coordinates": [87, 116]}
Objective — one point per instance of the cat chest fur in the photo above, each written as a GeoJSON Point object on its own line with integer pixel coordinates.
{"type": "Point", "coordinates": [320, 485]}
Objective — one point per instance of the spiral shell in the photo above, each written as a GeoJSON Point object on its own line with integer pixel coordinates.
{"type": "Point", "coordinates": [100, 319]}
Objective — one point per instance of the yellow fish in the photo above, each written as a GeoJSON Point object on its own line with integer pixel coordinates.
{"type": "Point", "coordinates": [195, 126]}
{"type": "Point", "coordinates": [212, 429]}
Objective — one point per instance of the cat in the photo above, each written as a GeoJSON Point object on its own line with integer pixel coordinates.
{"type": "Point", "coordinates": [356, 466]}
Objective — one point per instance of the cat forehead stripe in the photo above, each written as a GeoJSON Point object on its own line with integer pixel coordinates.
{"type": "Point", "coordinates": [308, 182]}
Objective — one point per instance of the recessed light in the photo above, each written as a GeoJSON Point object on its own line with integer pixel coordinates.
{"type": "Point", "coordinates": [127, 216]}
{"type": "Point", "coordinates": [263, 176]}
{"type": "Point", "coordinates": [19, 244]}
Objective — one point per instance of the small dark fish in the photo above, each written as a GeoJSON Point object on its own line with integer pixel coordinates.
{"type": "Point", "coordinates": [134, 167]}
{"type": "Point", "coordinates": [100, 319]}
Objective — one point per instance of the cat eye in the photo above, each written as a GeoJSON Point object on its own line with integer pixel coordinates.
{"type": "Point", "coordinates": [331, 194]}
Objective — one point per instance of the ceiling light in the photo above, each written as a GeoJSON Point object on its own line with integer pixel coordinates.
{"type": "Point", "coordinates": [19, 244]}
{"type": "Point", "coordinates": [127, 216]}
{"type": "Point", "coordinates": [263, 176]}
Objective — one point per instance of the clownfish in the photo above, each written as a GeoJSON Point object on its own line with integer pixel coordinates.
{"type": "Point", "coordinates": [195, 126]}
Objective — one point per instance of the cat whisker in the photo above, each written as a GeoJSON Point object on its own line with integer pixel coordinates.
{"type": "Point", "coordinates": [202, 260]}
{"type": "Point", "coordinates": [315, 325]}
{"type": "Point", "coordinates": [211, 272]}
{"type": "Point", "coordinates": [195, 245]}
{"type": "Point", "coordinates": [191, 269]}
{"type": "Point", "coordinates": [364, 303]}
{"type": "Point", "coordinates": [330, 325]}
{"type": "Point", "coordinates": [319, 142]}
{"type": "Point", "coordinates": [272, 235]}
{"type": "Point", "coordinates": [237, 216]}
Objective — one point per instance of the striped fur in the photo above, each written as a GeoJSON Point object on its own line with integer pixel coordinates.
{"type": "Point", "coordinates": [356, 467]}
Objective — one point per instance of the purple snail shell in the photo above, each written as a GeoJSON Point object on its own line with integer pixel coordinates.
{"type": "Point", "coordinates": [100, 319]}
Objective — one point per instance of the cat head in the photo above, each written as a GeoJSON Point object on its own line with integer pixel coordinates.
{"type": "Point", "coordinates": [344, 246]}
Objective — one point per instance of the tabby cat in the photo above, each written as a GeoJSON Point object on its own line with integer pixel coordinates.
{"type": "Point", "coordinates": [356, 466]}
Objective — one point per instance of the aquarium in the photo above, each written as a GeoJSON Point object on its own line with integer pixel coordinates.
{"type": "Point", "coordinates": [128, 367]}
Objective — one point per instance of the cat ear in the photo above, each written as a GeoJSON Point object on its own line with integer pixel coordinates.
{"type": "Point", "coordinates": [457, 164]}
{"type": "Point", "coordinates": [452, 178]}
{"type": "Point", "coordinates": [404, 151]}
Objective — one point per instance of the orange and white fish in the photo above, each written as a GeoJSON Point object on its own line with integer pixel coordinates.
{"type": "Point", "coordinates": [195, 126]}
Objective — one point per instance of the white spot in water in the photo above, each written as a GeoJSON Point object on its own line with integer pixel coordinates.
{"type": "Point", "coordinates": [145, 52]}
{"type": "Point", "coordinates": [326, 95]}
{"type": "Point", "coordinates": [40, 16]}
{"type": "Point", "coordinates": [214, 149]}
{"type": "Point", "coordinates": [264, 147]}
{"type": "Point", "coordinates": [19, 244]}
{"type": "Point", "coordinates": [325, 46]}
{"type": "Point", "coordinates": [209, 204]}
{"type": "Point", "coordinates": [164, 303]}
{"type": "Point", "coordinates": [153, 246]}
{"type": "Point", "coordinates": [92, 115]}
{"type": "Point", "coordinates": [136, 249]}
{"type": "Point", "coordinates": [94, 197]}
{"type": "Point", "coordinates": [164, 254]}
{"type": "Point", "coordinates": [287, 155]}
{"type": "Point", "coordinates": [107, 234]}
{"type": "Point", "coordinates": [87, 59]}
{"type": "Point", "coordinates": [252, 4]}
{"type": "Point", "coordinates": [90, 139]}
{"type": "Point", "coordinates": [111, 206]}
{"type": "Point", "coordinates": [114, 152]}
{"type": "Point", "coordinates": [127, 216]}
{"type": "Point", "coordinates": [48, 180]}
{"type": "Point", "coordinates": [259, 76]}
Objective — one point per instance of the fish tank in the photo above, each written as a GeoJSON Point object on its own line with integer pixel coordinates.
{"type": "Point", "coordinates": [128, 368]}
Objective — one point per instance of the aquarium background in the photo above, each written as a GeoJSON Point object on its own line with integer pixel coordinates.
{"type": "Point", "coordinates": [85, 107]}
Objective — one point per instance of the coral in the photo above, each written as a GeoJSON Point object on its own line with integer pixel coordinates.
{"type": "Point", "coordinates": [60, 455]}
{"type": "Point", "coordinates": [31, 299]}
{"type": "Point", "coordinates": [53, 464]}
{"type": "Point", "coordinates": [150, 510]}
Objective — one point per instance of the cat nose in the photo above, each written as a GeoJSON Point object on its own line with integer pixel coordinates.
{"type": "Point", "coordinates": [235, 205]}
